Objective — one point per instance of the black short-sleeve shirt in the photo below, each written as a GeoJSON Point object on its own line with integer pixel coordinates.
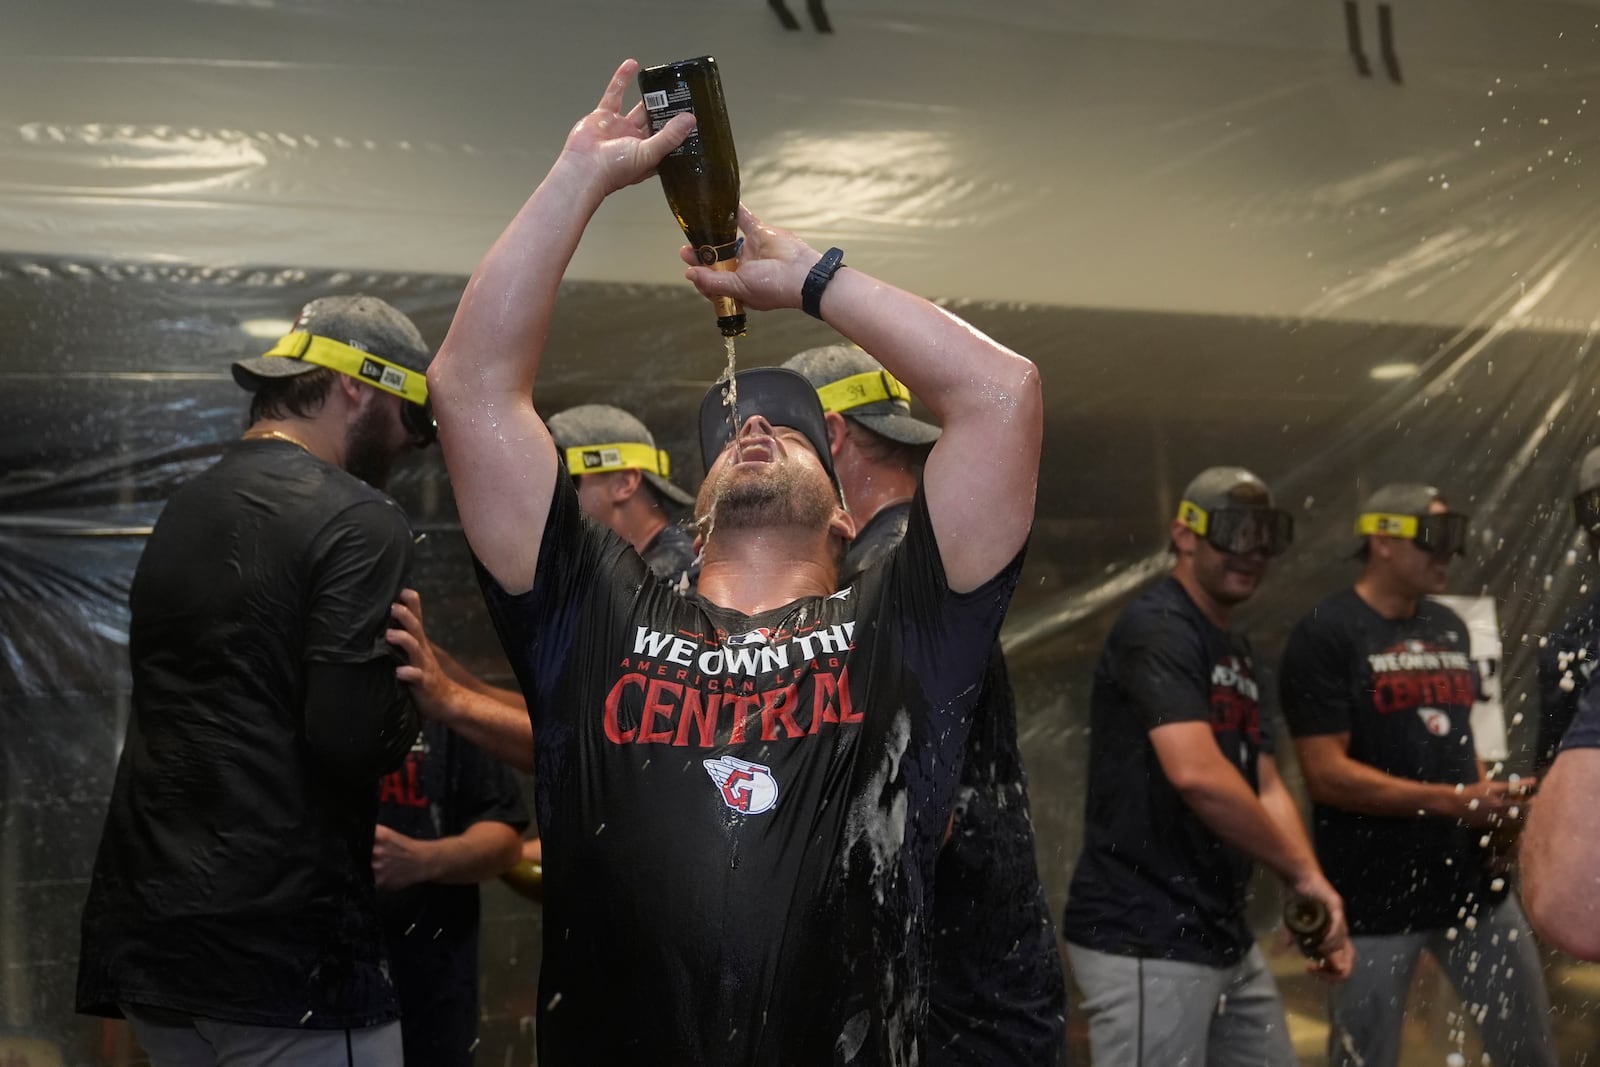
{"type": "Point", "coordinates": [739, 813]}
{"type": "Point", "coordinates": [234, 875]}
{"type": "Point", "coordinates": [445, 786]}
{"type": "Point", "coordinates": [998, 996]}
{"type": "Point", "coordinates": [1153, 880]}
{"type": "Point", "coordinates": [1403, 689]}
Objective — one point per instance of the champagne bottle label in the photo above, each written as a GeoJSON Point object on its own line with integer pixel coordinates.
{"type": "Point", "coordinates": [662, 104]}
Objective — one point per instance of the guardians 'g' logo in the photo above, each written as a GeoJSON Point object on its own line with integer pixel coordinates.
{"type": "Point", "coordinates": [747, 788]}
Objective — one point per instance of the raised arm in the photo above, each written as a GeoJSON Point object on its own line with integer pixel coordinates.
{"type": "Point", "coordinates": [982, 475]}
{"type": "Point", "coordinates": [501, 460]}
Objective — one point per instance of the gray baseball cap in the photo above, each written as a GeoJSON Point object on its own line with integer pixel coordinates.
{"type": "Point", "coordinates": [855, 385]}
{"type": "Point", "coordinates": [1216, 488]}
{"type": "Point", "coordinates": [1396, 498]}
{"type": "Point", "coordinates": [595, 438]}
{"type": "Point", "coordinates": [362, 322]}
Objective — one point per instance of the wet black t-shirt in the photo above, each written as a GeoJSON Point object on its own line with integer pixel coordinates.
{"type": "Point", "coordinates": [1153, 880]}
{"type": "Point", "coordinates": [1566, 660]}
{"type": "Point", "coordinates": [1403, 689]}
{"type": "Point", "coordinates": [739, 813]}
{"type": "Point", "coordinates": [445, 786]}
{"type": "Point", "coordinates": [998, 995]}
{"type": "Point", "coordinates": [234, 875]}
{"type": "Point", "coordinates": [670, 555]}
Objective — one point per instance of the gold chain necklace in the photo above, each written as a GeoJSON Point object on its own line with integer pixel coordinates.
{"type": "Point", "coordinates": [276, 435]}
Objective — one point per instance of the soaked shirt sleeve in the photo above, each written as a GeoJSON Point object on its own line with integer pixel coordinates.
{"type": "Point", "coordinates": [360, 561]}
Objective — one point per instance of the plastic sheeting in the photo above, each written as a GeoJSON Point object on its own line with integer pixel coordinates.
{"type": "Point", "coordinates": [1220, 241]}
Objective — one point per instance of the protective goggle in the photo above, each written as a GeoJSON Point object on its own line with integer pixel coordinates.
{"type": "Point", "coordinates": [380, 373]}
{"type": "Point", "coordinates": [627, 455]}
{"type": "Point", "coordinates": [1586, 509]}
{"type": "Point", "coordinates": [1240, 531]}
{"type": "Point", "coordinates": [1438, 535]}
{"type": "Point", "coordinates": [860, 389]}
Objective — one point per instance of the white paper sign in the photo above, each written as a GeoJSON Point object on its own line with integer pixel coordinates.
{"type": "Point", "coordinates": [1488, 715]}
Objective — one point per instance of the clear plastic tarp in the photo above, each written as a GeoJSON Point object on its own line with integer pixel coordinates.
{"type": "Point", "coordinates": [1240, 232]}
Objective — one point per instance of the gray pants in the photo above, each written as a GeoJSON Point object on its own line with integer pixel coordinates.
{"type": "Point", "coordinates": [209, 1043]}
{"type": "Point", "coordinates": [1495, 968]}
{"type": "Point", "coordinates": [1161, 1013]}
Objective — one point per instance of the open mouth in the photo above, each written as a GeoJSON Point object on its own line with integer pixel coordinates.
{"type": "Point", "coordinates": [756, 449]}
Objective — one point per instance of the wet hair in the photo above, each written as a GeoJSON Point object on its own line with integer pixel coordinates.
{"type": "Point", "coordinates": [299, 396]}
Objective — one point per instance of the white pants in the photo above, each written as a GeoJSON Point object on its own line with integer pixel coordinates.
{"type": "Point", "coordinates": [1162, 1013]}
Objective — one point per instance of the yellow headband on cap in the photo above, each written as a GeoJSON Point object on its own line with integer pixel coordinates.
{"type": "Point", "coordinates": [1375, 522]}
{"type": "Point", "coordinates": [859, 389]}
{"type": "Point", "coordinates": [1194, 516]}
{"type": "Point", "coordinates": [335, 355]}
{"type": "Point", "coordinates": [626, 456]}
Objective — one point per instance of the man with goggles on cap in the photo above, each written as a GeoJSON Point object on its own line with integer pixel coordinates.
{"type": "Point", "coordinates": [232, 906]}
{"type": "Point", "coordinates": [1377, 685]}
{"type": "Point", "coordinates": [997, 996]}
{"type": "Point", "coordinates": [1567, 657]}
{"type": "Point", "coordinates": [742, 792]}
{"type": "Point", "coordinates": [1184, 797]}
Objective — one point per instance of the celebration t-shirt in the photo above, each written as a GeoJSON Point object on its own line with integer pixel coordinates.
{"type": "Point", "coordinates": [1153, 880]}
{"type": "Point", "coordinates": [740, 813]}
{"type": "Point", "coordinates": [1403, 689]}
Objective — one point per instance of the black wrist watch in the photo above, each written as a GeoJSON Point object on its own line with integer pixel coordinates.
{"type": "Point", "coordinates": [817, 281]}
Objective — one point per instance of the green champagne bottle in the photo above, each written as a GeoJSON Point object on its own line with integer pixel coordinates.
{"type": "Point", "coordinates": [701, 176]}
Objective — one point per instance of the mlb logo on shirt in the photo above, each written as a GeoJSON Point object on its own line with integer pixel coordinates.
{"type": "Point", "coordinates": [1436, 721]}
{"type": "Point", "coordinates": [747, 788]}
{"type": "Point", "coordinates": [761, 636]}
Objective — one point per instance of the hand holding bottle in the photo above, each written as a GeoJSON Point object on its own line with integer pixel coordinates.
{"type": "Point", "coordinates": [616, 147]}
{"type": "Point", "coordinates": [773, 265]}
{"type": "Point", "coordinates": [1334, 957]}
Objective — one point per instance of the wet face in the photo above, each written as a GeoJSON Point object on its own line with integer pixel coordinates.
{"type": "Point", "coordinates": [767, 476]}
{"type": "Point", "coordinates": [376, 439]}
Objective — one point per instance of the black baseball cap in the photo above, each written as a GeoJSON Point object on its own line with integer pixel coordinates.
{"type": "Point", "coordinates": [782, 397]}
